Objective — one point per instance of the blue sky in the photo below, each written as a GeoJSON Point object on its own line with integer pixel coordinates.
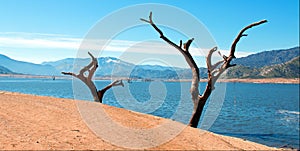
{"type": "Point", "coordinates": [49, 30]}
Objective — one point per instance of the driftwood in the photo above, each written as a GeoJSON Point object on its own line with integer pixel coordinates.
{"type": "Point", "coordinates": [91, 68]}
{"type": "Point", "coordinates": [214, 70]}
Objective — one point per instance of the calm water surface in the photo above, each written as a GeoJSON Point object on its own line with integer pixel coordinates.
{"type": "Point", "coordinates": [263, 113]}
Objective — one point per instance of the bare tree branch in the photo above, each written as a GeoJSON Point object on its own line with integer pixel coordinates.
{"type": "Point", "coordinates": [213, 67]}
{"type": "Point", "coordinates": [94, 67]}
{"type": "Point", "coordinates": [208, 59]}
{"type": "Point", "coordinates": [115, 83]}
{"type": "Point", "coordinates": [101, 92]}
{"type": "Point", "coordinates": [186, 45]}
{"type": "Point", "coordinates": [184, 51]}
{"type": "Point", "coordinates": [241, 34]}
{"type": "Point", "coordinates": [214, 70]}
{"type": "Point", "coordinates": [91, 69]}
{"type": "Point", "coordinates": [195, 70]}
{"type": "Point", "coordinates": [180, 44]}
{"type": "Point", "coordinates": [69, 73]}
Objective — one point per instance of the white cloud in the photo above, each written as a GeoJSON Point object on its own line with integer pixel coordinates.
{"type": "Point", "coordinates": [37, 40]}
{"type": "Point", "coordinates": [56, 41]}
{"type": "Point", "coordinates": [203, 52]}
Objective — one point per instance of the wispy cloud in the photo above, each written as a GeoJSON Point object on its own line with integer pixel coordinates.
{"type": "Point", "coordinates": [37, 40]}
{"type": "Point", "coordinates": [56, 41]}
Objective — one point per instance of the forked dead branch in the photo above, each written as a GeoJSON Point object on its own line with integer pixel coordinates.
{"type": "Point", "coordinates": [91, 68]}
{"type": "Point", "coordinates": [214, 70]}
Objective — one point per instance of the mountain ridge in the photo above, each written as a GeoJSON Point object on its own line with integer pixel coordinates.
{"type": "Point", "coordinates": [4, 70]}
{"type": "Point", "coordinates": [267, 58]}
{"type": "Point", "coordinates": [289, 69]}
{"type": "Point", "coordinates": [114, 67]}
{"type": "Point", "coordinates": [23, 67]}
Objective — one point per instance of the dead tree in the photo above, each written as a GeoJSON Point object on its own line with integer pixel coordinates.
{"type": "Point", "coordinates": [214, 70]}
{"type": "Point", "coordinates": [91, 68]}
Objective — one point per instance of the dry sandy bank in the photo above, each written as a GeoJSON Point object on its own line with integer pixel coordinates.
{"type": "Point", "coordinates": [30, 122]}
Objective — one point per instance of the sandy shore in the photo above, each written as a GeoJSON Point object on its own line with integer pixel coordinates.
{"type": "Point", "coordinates": [30, 122]}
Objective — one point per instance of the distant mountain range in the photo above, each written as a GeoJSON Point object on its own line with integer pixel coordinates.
{"type": "Point", "coordinates": [267, 58]}
{"type": "Point", "coordinates": [26, 67]}
{"type": "Point", "coordinates": [275, 63]}
{"type": "Point", "coordinates": [109, 66]}
{"type": "Point", "coordinates": [269, 64]}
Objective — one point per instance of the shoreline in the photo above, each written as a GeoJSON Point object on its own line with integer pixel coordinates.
{"type": "Point", "coordinates": [30, 122]}
{"type": "Point", "coordinates": [264, 80]}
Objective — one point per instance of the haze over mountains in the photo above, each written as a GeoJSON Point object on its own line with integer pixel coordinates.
{"type": "Point", "coordinates": [276, 63]}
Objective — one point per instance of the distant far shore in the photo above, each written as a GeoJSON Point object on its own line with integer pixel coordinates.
{"type": "Point", "coordinates": [265, 80]}
{"type": "Point", "coordinates": [262, 80]}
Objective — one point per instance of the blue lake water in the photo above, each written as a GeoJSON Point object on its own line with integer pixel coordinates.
{"type": "Point", "coordinates": [263, 113]}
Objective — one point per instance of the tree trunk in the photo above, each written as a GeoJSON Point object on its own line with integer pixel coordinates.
{"type": "Point", "coordinates": [214, 70]}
